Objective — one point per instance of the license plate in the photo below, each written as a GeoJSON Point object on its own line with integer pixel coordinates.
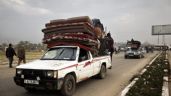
{"type": "Point", "coordinates": [131, 54]}
{"type": "Point", "coordinates": [31, 82]}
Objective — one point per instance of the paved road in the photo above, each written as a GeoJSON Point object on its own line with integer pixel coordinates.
{"type": "Point", "coordinates": [117, 78]}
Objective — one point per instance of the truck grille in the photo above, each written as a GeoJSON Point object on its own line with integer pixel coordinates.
{"type": "Point", "coordinates": [131, 54]}
{"type": "Point", "coordinates": [32, 74]}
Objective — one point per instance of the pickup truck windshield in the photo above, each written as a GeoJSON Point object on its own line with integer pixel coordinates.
{"type": "Point", "coordinates": [61, 53]}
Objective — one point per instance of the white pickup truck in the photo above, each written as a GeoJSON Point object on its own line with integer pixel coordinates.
{"type": "Point", "coordinates": [60, 68]}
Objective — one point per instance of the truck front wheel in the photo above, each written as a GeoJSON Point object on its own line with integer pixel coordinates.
{"type": "Point", "coordinates": [31, 90]}
{"type": "Point", "coordinates": [102, 73]}
{"type": "Point", "coordinates": [69, 85]}
{"type": "Point", "coordinates": [126, 56]}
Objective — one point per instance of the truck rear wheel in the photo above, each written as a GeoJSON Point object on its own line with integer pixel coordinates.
{"type": "Point", "coordinates": [69, 85]}
{"type": "Point", "coordinates": [102, 73]}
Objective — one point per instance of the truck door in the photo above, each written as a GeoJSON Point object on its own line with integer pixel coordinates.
{"type": "Point", "coordinates": [85, 68]}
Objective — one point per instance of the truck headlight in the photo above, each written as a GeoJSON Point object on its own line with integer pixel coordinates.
{"type": "Point", "coordinates": [19, 71]}
{"type": "Point", "coordinates": [52, 74]}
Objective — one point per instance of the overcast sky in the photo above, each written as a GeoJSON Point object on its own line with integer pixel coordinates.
{"type": "Point", "coordinates": [125, 19]}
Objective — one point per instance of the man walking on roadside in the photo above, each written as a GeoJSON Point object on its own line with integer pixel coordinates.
{"type": "Point", "coordinates": [21, 55]}
{"type": "Point", "coordinates": [10, 52]}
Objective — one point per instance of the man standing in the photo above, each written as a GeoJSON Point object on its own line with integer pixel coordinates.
{"type": "Point", "coordinates": [9, 54]}
{"type": "Point", "coordinates": [21, 55]}
{"type": "Point", "coordinates": [110, 44]}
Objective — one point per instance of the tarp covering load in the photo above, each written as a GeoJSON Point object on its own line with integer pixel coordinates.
{"type": "Point", "coordinates": [81, 31]}
{"type": "Point", "coordinates": [133, 44]}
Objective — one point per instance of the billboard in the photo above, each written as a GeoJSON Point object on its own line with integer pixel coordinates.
{"type": "Point", "coordinates": [161, 29]}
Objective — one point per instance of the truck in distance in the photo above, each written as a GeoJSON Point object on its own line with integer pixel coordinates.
{"type": "Point", "coordinates": [133, 49]}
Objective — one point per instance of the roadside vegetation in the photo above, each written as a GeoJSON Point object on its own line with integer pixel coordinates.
{"type": "Point", "coordinates": [29, 56]}
{"type": "Point", "coordinates": [151, 81]}
{"type": "Point", "coordinates": [33, 51]}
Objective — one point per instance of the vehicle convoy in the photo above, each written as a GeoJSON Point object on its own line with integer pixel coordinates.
{"type": "Point", "coordinates": [72, 57]}
{"type": "Point", "coordinates": [133, 49]}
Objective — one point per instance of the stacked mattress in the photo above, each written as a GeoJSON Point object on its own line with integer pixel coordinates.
{"type": "Point", "coordinates": [72, 31]}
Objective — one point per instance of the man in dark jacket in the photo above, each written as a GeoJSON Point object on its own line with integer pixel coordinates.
{"type": "Point", "coordinates": [110, 42]}
{"type": "Point", "coordinates": [9, 54]}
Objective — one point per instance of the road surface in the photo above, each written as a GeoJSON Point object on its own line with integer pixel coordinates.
{"type": "Point", "coordinates": [117, 78]}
